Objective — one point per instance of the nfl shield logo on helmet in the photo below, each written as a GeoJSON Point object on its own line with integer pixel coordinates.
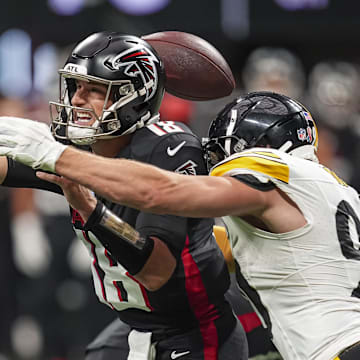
{"type": "Point", "coordinates": [301, 133]}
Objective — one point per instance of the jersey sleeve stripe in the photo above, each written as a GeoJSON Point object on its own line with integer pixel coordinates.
{"type": "Point", "coordinates": [254, 182]}
{"type": "Point", "coordinates": [272, 168]}
{"type": "Point", "coordinates": [266, 153]}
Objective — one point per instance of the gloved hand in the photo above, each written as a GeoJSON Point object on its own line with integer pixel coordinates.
{"type": "Point", "coordinates": [29, 142]}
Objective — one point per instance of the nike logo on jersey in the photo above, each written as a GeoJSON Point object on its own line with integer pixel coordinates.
{"type": "Point", "coordinates": [175, 355]}
{"type": "Point", "coordinates": [172, 152]}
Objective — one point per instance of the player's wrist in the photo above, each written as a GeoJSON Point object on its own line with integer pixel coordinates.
{"type": "Point", "coordinates": [122, 241]}
{"type": "Point", "coordinates": [52, 155]}
{"type": "Point", "coordinates": [87, 208]}
{"type": "Point", "coordinates": [96, 216]}
{"type": "Point", "coordinates": [68, 160]}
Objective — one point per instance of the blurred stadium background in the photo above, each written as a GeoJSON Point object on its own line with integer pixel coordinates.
{"type": "Point", "coordinates": [303, 48]}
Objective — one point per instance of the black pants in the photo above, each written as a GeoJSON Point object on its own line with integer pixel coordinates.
{"type": "Point", "coordinates": [234, 348]}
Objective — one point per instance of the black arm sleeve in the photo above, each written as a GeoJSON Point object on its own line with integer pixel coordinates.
{"type": "Point", "coordinates": [21, 176]}
{"type": "Point", "coordinates": [172, 230]}
{"type": "Point", "coordinates": [255, 183]}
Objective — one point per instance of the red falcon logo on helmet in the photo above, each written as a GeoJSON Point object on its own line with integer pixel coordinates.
{"type": "Point", "coordinates": [139, 61]}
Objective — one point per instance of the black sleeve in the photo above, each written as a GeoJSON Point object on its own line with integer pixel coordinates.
{"type": "Point", "coordinates": [254, 182]}
{"type": "Point", "coordinates": [21, 176]}
{"type": "Point", "coordinates": [172, 230]}
{"type": "Point", "coordinates": [187, 160]}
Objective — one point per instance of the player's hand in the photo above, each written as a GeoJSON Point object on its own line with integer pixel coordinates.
{"type": "Point", "coordinates": [79, 197]}
{"type": "Point", "coordinates": [29, 142]}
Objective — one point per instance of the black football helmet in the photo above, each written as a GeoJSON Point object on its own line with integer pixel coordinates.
{"type": "Point", "coordinates": [135, 78]}
{"type": "Point", "coordinates": [262, 119]}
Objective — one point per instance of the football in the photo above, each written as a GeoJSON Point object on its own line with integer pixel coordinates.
{"type": "Point", "coordinates": [195, 69]}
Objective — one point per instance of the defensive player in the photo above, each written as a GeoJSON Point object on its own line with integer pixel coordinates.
{"type": "Point", "coordinates": [293, 224]}
{"type": "Point", "coordinates": [166, 281]}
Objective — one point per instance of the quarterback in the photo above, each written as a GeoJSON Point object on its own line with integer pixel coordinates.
{"type": "Point", "coordinates": [164, 276]}
{"type": "Point", "coordinates": [293, 224]}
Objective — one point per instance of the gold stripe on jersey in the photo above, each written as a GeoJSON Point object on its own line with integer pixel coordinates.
{"type": "Point", "coordinates": [224, 245]}
{"type": "Point", "coordinates": [333, 174]}
{"type": "Point", "coordinates": [264, 153]}
{"type": "Point", "coordinates": [263, 163]}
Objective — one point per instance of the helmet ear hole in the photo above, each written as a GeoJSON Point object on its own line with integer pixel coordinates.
{"type": "Point", "coordinates": [126, 89]}
{"type": "Point", "coordinates": [117, 92]}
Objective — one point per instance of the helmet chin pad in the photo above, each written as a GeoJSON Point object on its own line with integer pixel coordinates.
{"type": "Point", "coordinates": [83, 135]}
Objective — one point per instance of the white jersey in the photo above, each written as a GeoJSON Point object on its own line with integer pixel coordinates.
{"type": "Point", "coordinates": [304, 284]}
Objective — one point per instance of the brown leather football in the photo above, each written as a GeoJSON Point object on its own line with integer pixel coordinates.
{"type": "Point", "coordinates": [195, 69]}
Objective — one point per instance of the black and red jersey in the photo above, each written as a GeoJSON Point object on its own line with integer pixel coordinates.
{"type": "Point", "coordinates": [194, 295]}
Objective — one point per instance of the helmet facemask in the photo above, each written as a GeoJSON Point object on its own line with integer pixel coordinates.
{"type": "Point", "coordinates": [106, 124]}
{"type": "Point", "coordinates": [218, 149]}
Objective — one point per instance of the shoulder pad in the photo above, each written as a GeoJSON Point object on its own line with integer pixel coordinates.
{"type": "Point", "coordinates": [263, 162]}
{"type": "Point", "coordinates": [162, 128]}
{"type": "Point", "coordinates": [160, 135]}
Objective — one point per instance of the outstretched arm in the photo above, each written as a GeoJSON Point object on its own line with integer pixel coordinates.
{"type": "Point", "coordinates": [152, 189]}
{"type": "Point", "coordinates": [131, 183]}
{"type": "Point", "coordinates": [153, 265]}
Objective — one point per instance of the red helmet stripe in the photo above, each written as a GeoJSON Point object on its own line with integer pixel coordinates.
{"type": "Point", "coordinates": [135, 54]}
